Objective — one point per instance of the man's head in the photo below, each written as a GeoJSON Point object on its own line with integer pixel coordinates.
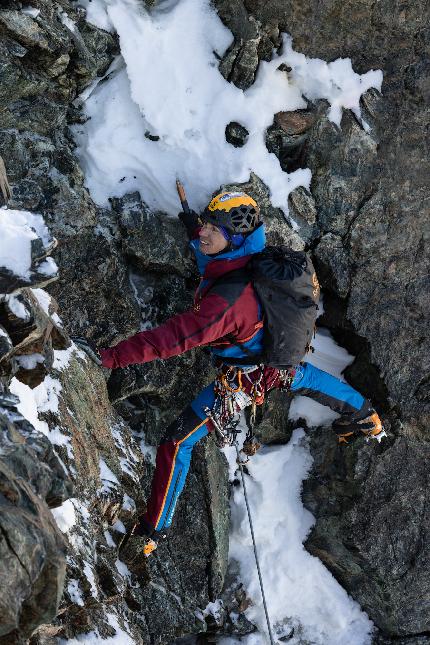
{"type": "Point", "coordinates": [227, 219]}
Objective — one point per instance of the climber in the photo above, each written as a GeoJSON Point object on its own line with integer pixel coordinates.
{"type": "Point", "coordinates": [227, 317]}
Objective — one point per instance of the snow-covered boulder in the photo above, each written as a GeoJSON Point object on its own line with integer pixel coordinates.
{"type": "Point", "coordinates": [25, 244]}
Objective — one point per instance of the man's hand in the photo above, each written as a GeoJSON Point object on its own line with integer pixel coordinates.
{"type": "Point", "coordinates": [89, 348]}
{"type": "Point", "coordinates": [366, 424]}
{"type": "Point", "coordinates": [190, 220]}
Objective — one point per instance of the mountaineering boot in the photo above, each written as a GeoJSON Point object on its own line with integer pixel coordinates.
{"type": "Point", "coordinates": [367, 424]}
{"type": "Point", "coordinates": [136, 546]}
{"type": "Point", "coordinates": [134, 550]}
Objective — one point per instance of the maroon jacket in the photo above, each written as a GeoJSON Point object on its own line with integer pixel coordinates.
{"type": "Point", "coordinates": [219, 310]}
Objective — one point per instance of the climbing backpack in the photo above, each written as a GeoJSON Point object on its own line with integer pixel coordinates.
{"type": "Point", "coordinates": [288, 290]}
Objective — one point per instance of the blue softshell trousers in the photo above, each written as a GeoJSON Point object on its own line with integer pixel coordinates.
{"type": "Point", "coordinates": [174, 452]}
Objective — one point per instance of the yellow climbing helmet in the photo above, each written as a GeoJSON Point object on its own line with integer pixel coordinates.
{"type": "Point", "coordinates": [237, 212]}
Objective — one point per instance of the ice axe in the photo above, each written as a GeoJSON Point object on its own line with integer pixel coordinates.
{"type": "Point", "coordinates": [183, 198]}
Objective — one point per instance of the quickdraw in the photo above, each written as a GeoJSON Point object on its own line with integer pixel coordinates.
{"type": "Point", "coordinates": [287, 377]}
{"type": "Point", "coordinates": [235, 389]}
{"type": "Point", "coordinates": [231, 398]}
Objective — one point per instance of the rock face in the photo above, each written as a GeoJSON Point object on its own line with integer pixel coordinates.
{"type": "Point", "coordinates": [125, 268]}
{"type": "Point", "coordinates": [366, 221]}
{"type": "Point", "coordinates": [367, 505]}
{"type": "Point", "coordinates": [33, 563]}
{"type": "Point", "coordinates": [32, 478]}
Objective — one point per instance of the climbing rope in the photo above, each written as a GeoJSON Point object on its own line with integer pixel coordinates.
{"type": "Point", "coordinates": [225, 434]}
{"type": "Point", "coordinates": [272, 642]}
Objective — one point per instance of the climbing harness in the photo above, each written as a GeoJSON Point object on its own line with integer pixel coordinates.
{"type": "Point", "coordinates": [232, 440]}
{"type": "Point", "coordinates": [235, 390]}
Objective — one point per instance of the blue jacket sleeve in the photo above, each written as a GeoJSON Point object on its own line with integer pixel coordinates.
{"type": "Point", "coordinates": [328, 390]}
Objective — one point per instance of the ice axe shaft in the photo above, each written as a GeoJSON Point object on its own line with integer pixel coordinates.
{"type": "Point", "coordinates": [182, 196]}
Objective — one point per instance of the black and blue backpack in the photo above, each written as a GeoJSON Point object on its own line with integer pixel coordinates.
{"type": "Point", "coordinates": [287, 287]}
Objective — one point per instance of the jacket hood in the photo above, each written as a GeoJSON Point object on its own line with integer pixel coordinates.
{"type": "Point", "coordinates": [254, 243]}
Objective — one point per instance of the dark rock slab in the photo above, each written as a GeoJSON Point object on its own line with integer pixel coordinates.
{"type": "Point", "coordinates": [371, 500]}
{"type": "Point", "coordinates": [32, 549]}
{"type": "Point", "coordinates": [146, 240]}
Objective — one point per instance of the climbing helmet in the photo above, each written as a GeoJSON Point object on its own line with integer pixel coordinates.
{"type": "Point", "coordinates": [235, 211]}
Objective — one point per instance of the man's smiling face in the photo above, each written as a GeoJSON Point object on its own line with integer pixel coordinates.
{"type": "Point", "coordinates": [211, 239]}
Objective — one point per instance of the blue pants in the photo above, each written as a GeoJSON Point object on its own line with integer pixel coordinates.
{"type": "Point", "coordinates": [174, 452]}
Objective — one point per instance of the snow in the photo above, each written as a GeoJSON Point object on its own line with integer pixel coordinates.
{"type": "Point", "coordinates": [123, 569]}
{"type": "Point", "coordinates": [89, 574]}
{"type": "Point", "coordinates": [17, 229]}
{"type": "Point", "coordinates": [30, 11]}
{"type": "Point", "coordinates": [48, 267]}
{"type": "Point", "coordinates": [300, 591]}
{"type": "Point", "coordinates": [119, 527]}
{"type": "Point", "coordinates": [75, 593]}
{"type": "Point", "coordinates": [97, 13]}
{"type": "Point", "coordinates": [109, 540]}
{"type": "Point", "coordinates": [336, 82]}
{"type": "Point", "coordinates": [28, 403]}
{"type": "Point", "coordinates": [67, 22]}
{"type": "Point", "coordinates": [149, 452]}
{"type": "Point", "coordinates": [109, 479]}
{"type": "Point", "coordinates": [170, 86]}
{"type": "Point", "coordinates": [43, 398]}
{"type": "Point", "coordinates": [62, 358]}
{"type": "Point", "coordinates": [65, 516]}
{"type": "Point", "coordinates": [17, 307]}
{"type": "Point", "coordinates": [128, 504]}
{"type": "Point", "coordinates": [30, 361]}
{"type": "Point", "coordinates": [43, 298]}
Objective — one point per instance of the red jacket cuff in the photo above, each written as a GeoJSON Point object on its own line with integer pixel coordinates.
{"type": "Point", "coordinates": [107, 357]}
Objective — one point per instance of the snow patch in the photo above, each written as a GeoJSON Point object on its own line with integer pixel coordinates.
{"type": "Point", "coordinates": [17, 230]}
{"type": "Point", "coordinates": [30, 11]}
{"type": "Point", "coordinates": [123, 569]}
{"type": "Point", "coordinates": [121, 637]}
{"type": "Point", "coordinates": [149, 452]}
{"type": "Point", "coordinates": [97, 14]}
{"type": "Point", "coordinates": [67, 22]}
{"type": "Point", "coordinates": [89, 574]}
{"type": "Point", "coordinates": [300, 592]}
{"type": "Point", "coordinates": [29, 361]}
{"type": "Point", "coordinates": [48, 267]}
{"type": "Point", "coordinates": [331, 358]}
{"type": "Point", "coordinates": [65, 516]}
{"type": "Point", "coordinates": [75, 593]}
{"type": "Point", "coordinates": [128, 504]}
{"type": "Point", "coordinates": [191, 105]}
{"type": "Point", "coordinates": [119, 527]}
{"type": "Point", "coordinates": [109, 479]}
{"type": "Point", "coordinates": [109, 541]}
{"type": "Point", "coordinates": [17, 307]}
{"type": "Point", "coordinates": [62, 358]}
